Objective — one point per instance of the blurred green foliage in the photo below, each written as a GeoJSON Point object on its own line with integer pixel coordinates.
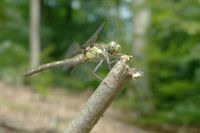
{"type": "Point", "coordinates": [173, 58]}
{"type": "Point", "coordinates": [13, 61]}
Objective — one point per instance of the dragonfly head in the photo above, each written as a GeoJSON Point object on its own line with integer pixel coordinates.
{"type": "Point", "coordinates": [114, 48]}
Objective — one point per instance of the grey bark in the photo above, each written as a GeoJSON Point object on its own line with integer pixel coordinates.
{"type": "Point", "coordinates": [109, 88]}
{"type": "Point", "coordinates": [141, 24]}
{"type": "Point", "coordinates": [34, 33]}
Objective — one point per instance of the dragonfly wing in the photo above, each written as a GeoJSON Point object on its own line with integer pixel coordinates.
{"type": "Point", "coordinates": [83, 71]}
{"type": "Point", "coordinates": [72, 50]}
{"type": "Point", "coordinates": [94, 37]}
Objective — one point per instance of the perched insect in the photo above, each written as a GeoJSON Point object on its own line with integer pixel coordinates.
{"type": "Point", "coordinates": [91, 51]}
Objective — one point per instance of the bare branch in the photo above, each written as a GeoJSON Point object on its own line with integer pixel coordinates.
{"type": "Point", "coordinates": [109, 88]}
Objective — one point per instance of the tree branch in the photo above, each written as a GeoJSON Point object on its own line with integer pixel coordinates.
{"type": "Point", "coordinates": [109, 88]}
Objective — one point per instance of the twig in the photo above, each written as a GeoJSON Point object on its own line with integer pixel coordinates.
{"type": "Point", "coordinates": [109, 88]}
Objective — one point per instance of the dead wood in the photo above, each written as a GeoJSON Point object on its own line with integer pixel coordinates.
{"type": "Point", "coordinates": [109, 88]}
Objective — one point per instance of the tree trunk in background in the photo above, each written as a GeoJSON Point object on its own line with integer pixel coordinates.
{"type": "Point", "coordinates": [69, 19]}
{"type": "Point", "coordinates": [35, 32]}
{"type": "Point", "coordinates": [141, 24]}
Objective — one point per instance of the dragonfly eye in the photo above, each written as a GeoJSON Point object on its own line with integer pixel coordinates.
{"type": "Point", "coordinates": [118, 48]}
{"type": "Point", "coordinates": [113, 44]}
{"type": "Point", "coordinates": [114, 47]}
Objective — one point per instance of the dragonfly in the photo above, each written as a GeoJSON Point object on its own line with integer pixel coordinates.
{"type": "Point", "coordinates": [91, 51]}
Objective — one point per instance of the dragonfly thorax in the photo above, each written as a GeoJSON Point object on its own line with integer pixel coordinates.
{"type": "Point", "coordinates": [93, 52]}
{"type": "Point", "coordinates": [114, 48]}
{"type": "Point", "coordinates": [102, 50]}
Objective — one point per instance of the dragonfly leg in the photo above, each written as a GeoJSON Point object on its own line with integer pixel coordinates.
{"type": "Point", "coordinates": [96, 68]}
{"type": "Point", "coordinates": [114, 61]}
{"type": "Point", "coordinates": [108, 62]}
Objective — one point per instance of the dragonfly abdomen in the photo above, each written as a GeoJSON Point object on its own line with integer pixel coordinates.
{"type": "Point", "coordinates": [69, 62]}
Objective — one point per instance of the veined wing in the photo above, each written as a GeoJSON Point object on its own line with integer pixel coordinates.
{"type": "Point", "coordinates": [72, 50]}
{"type": "Point", "coordinates": [70, 61]}
{"type": "Point", "coordinates": [94, 37]}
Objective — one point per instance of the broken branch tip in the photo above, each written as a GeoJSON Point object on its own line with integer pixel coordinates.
{"type": "Point", "coordinates": [126, 58]}
{"type": "Point", "coordinates": [137, 75]}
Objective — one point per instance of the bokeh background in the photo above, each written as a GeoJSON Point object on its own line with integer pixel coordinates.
{"type": "Point", "coordinates": [162, 35]}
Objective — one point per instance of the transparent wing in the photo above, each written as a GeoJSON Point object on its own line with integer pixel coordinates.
{"type": "Point", "coordinates": [84, 71]}
{"type": "Point", "coordinates": [72, 51]}
{"type": "Point", "coordinates": [94, 37]}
